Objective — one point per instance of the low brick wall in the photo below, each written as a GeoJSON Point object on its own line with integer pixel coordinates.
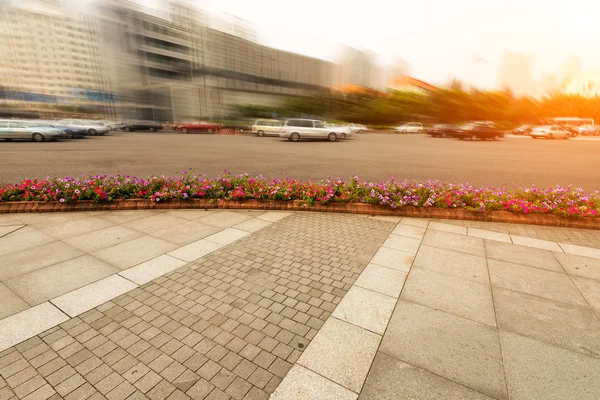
{"type": "Point", "coordinates": [354, 208]}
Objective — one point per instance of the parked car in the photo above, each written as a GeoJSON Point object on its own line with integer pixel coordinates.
{"type": "Point", "coordinates": [91, 128]}
{"type": "Point", "coordinates": [142, 125]}
{"type": "Point", "coordinates": [296, 129]}
{"type": "Point", "coordinates": [267, 127]}
{"type": "Point", "coordinates": [111, 125]}
{"type": "Point", "coordinates": [342, 131]}
{"type": "Point", "coordinates": [477, 131]}
{"type": "Point", "coordinates": [411, 127]}
{"type": "Point", "coordinates": [28, 130]}
{"type": "Point", "coordinates": [198, 126]}
{"type": "Point", "coordinates": [71, 132]}
{"type": "Point", "coordinates": [357, 128]}
{"type": "Point", "coordinates": [523, 130]}
{"type": "Point", "coordinates": [589, 130]}
{"type": "Point", "coordinates": [442, 130]}
{"type": "Point", "coordinates": [550, 132]}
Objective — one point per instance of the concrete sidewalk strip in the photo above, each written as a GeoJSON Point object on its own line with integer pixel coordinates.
{"type": "Point", "coordinates": [585, 267]}
{"type": "Point", "coordinates": [439, 226]}
{"type": "Point", "coordinates": [403, 243]}
{"type": "Point", "coordinates": [395, 259]}
{"type": "Point", "coordinates": [523, 255]}
{"type": "Point", "coordinates": [227, 236]}
{"type": "Point", "coordinates": [580, 250]}
{"type": "Point", "coordinates": [134, 252]}
{"type": "Point", "coordinates": [253, 225]}
{"type": "Point", "coordinates": [415, 232]}
{"type": "Point", "coordinates": [23, 239]}
{"type": "Point", "coordinates": [418, 222]}
{"type": "Point", "coordinates": [274, 216]}
{"type": "Point", "coordinates": [341, 352]}
{"type": "Point", "coordinates": [491, 235]}
{"type": "Point", "coordinates": [303, 384]}
{"type": "Point", "coordinates": [10, 302]}
{"type": "Point", "coordinates": [455, 242]}
{"type": "Point", "coordinates": [28, 323]}
{"type": "Point", "coordinates": [103, 238]}
{"type": "Point", "coordinates": [6, 229]}
{"type": "Point", "coordinates": [152, 269]}
{"type": "Point", "coordinates": [93, 295]}
{"type": "Point", "coordinates": [537, 243]}
{"type": "Point", "coordinates": [461, 265]}
{"type": "Point", "coordinates": [382, 279]}
{"type": "Point", "coordinates": [195, 250]}
{"type": "Point", "coordinates": [365, 308]}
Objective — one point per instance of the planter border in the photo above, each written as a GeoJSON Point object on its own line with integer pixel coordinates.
{"type": "Point", "coordinates": [353, 208]}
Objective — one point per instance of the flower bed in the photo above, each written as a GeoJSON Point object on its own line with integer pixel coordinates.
{"type": "Point", "coordinates": [558, 201]}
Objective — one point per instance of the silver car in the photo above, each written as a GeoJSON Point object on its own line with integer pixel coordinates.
{"type": "Point", "coordinates": [28, 130]}
{"type": "Point", "coordinates": [357, 128]}
{"type": "Point", "coordinates": [550, 132]}
{"type": "Point", "coordinates": [267, 127]}
{"type": "Point", "coordinates": [92, 128]}
{"type": "Point", "coordinates": [296, 129]}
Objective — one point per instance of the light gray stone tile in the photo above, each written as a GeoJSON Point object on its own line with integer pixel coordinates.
{"type": "Point", "coordinates": [585, 267]}
{"type": "Point", "coordinates": [418, 222]}
{"type": "Point", "coordinates": [580, 250]}
{"type": "Point", "coordinates": [522, 255]}
{"type": "Point", "coordinates": [28, 323]}
{"type": "Point", "coordinates": [93, 295]}
{"type": "Point", "coordinates": [392, 379]}
{"type": "Point", "coordinates": [10, 302]}
{"type": "Point", "coordinates": [185, 233]}
{"type": "Point", "coordinates": [6, 229]}
{"type": "Point", "coordinates": [403, 243]}
{"type": "Point", "coordinates": [439, 226]}
{"type": "Point", "coordinates": [225, 219]}
{"type": "Point", "coordinates": [44, 284]}
{"type": "Point", "coordinates": [103, 238]}
{"type": "Point", "coordinates": [535, 281]}
{"type": "Point", "coordinates": [274, 216]}
{"type": "Point", "coordinates": [341, 352]}
{"type": "Point", "coordinates": [393, 259]}
{"type": "Point", "coordinates": [490, 235]}
{"type": "Point", "coordinates": [590, 288]}
{"type": "Point", "coordinates": [152, 269]}
{"type": "Point", "coordinates": [537, 243]}
{"type": "Point", "coordinates": [49, 217]}
{"type": "Point", "coordinates": [538, 371]}
{"type": "Point", "coordinates": [381, 279]}
{"type": "Point", "coordinates": [409, 231]}
{"type": "Point", "coordinates": [23, 262]}
{"type": "Point", "coordinates": [365, 308]}
{"type": "Point", "coordinates": [227, 236]}
{"type": "Point", "coordinates": [122, 217]}
{"type": "Point", "coordinates": [190, 214]}
{"type": "Point", "coordinates": [453, 263]}
{"type": "Point", "coordinates": [462, 297]}
{"type": "Point", "coordinates": [455, 348]}
{"type": "Point", "coordinates": [195, 250]}
{"type": "Point", "coordinates": [154, 223]}
{"type": "Point", "coordinates": [386, 218]}
{"type": "Point", "coordinates": [564, 325]}
{"type": "Point", "coordinates": [134, 252]}
{"type": "Point", "coordinates": [8, 219]}
{"type": "Point", "coordinates": [453, 241]}
{"type": "Point", "coordinates": [67, 229]}
{"type": "Point", "coordinates": [302, 384]}
{"type": "Point", "coordinates": [253, 225]}
{"type": "Point", "coordinates": [23, 239]}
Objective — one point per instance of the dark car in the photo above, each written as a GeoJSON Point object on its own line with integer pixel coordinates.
{"type": "Point", "coordinates": [130, 126]}
{"type": "Point", "coordinates": [477, 131]}
{"type": "Point", "coordinates": [442, 130]}
{"type": "Point", "coordinates": [523, 130]}
{"type": "Point", "coordinates": [71, 132]}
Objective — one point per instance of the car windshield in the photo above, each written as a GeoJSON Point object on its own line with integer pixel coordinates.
{"type": "Point", "coordinates": [34, 123]}
{"type": "Point", "coordinates": [468, 127]}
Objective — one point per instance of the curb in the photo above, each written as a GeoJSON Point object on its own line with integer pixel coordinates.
{"type": "Point", "coordinates": [352, 208]}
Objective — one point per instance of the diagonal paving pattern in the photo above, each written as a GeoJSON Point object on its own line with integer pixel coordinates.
{"type": "Point", "coordinates": [229, 323]}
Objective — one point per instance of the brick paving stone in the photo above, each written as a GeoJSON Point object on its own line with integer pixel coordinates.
{"type": "Point", "coordinates": [228, 325]}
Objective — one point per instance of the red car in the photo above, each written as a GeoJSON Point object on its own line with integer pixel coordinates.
{"type": "Point", "coordinates": [198, 126]}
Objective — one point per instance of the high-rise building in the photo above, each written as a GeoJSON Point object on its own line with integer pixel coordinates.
{"type": "Point", "coordinates": [516, 73]}
{"type": "Point", "coordinates": [358, 68]}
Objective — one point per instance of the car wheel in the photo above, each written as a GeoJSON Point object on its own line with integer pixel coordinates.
{"type": "Point", "coordinates": [152, 129]}
{"type": "Point", "coordinates": [420, 131]}
{"type": "Point", "coordinates": [360, 131]}
{"type": "Point", "coordinates": [496, 137]}
{"type": "Point", "coordinates": [209, 130]}
{"type": "Point", "coordinates": [8, 140]}
{"type": "Point", "coordinates": [127, 129]}
{"type": "Point", "coordinates": [332, 137]}
{"type": "Point", "coordinates": [443, 135]}
{"type": "Point", "coordinates": [566, 136]}
{"type": "Point", "coordinates": [343, 136]}
{"type": "Point", "coordinates": [92, 132]}
{"type": "Point", "coordinates": [294, 137]}
{"type": "Point", "coordinates": [404, 131]}
{"type": "Point", "coordinates": [549, 136]}
{"type": "Point", "coordinates": [260, 133]}
{"type": "Point", "coordinates": [473, 137]}
{"type": "Point", "coordinates": [38, 137]}
{"type": "Point", "coordinates": [184, 130]}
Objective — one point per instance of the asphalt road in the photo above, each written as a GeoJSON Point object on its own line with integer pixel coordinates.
{"type": "Point", "coordinates": [512, 161]}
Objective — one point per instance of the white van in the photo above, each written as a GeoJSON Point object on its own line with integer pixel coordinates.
{"type": "Point", "coordinates": [267, 127]}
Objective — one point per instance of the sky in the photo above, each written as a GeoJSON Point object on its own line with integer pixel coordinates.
{"type": "Point", "coordinates": [441, 39]}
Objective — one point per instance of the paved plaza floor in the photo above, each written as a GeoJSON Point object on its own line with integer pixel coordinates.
{"type": "Point", "coordinates": [255, 305]}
